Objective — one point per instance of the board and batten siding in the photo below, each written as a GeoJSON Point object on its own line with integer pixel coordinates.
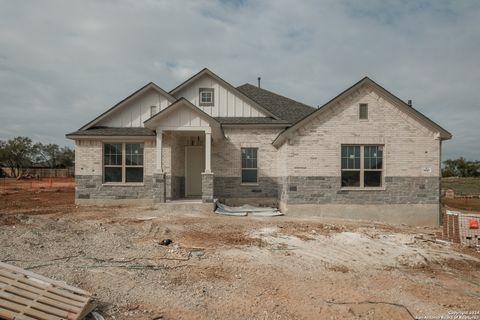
{"type": "Point", "coordinates": [135, 112]}
{"type": "Point", "coordinates": [183, 117]}
{"type": "Point", "coordinates": [411, 149]}
{"type": "Point", "coordinates": [226, 102]}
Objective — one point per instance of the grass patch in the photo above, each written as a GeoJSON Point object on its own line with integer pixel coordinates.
{"type": "Point", "coordinates": [464, 186]}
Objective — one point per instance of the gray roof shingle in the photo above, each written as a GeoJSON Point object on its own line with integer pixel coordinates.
{"type": "Point", "coordinates": [283, 107]}
{"type": "Point", "coordinates": [114, 131]}
{"type": "Point", "coordinates": [249, 120]}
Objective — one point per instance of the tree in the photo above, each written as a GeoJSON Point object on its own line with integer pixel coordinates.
{"type": "Point", "coordinates": [66, 157]}
{"type": "Point", "coordinates": [16, 154]}
{"type": "Point", "coordinates": [461, 168]}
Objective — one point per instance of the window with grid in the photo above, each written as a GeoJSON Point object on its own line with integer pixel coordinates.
{"type": "Point", "coordinates": [363, 111]}
{"type": "Point", "coordinates": [123, 162]}
{"type": "Point", "coordinates": [362, 166]}
{"type": "Point", "coordinates": [206, 96]}
{"type": "Point", "coordinates": [249, 165]}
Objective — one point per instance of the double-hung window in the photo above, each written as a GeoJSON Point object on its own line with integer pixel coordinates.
{"type": "Point", "coordinates": [249, 165]}
{"type": "Point", "coordinates": [362, 166]}
{"type": "Point", "coordinates": [123, 163]}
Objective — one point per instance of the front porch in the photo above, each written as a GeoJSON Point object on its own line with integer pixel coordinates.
{"type": "Point", "coordinates": [183, 153]}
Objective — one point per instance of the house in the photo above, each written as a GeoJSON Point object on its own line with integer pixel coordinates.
{"type": "Point", "coordinates": [364, 154]}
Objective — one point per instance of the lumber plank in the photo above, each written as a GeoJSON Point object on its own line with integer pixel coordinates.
{"type": "Point", "coordinates": [43, 299]}
{"type": "Point", "coordinates": [7, 314]}
{"type": "Point", "coordinates": [41, 315]}
{"type": "Point", "coordinates": [37, 291]}
{"type": "Point", "coordinates": [35, 304]}
{"type": "Point", "coordinates": [43, 286]}
{"type": "Point", "coordinates": [39, 277]}
{"type": "Point", "coordinates": [28, 296]}
{"type": "Point", "coordinates": [14, 306]}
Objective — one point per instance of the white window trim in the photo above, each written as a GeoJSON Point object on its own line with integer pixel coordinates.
{"type": "Point", "coordinates": [210, 92]}
{"type": "Point", "coordinates": [123, 165]}
{"type": "Point", "coordinates": [363, 119]}
{"type": "Point", "coordinates": [362, 169]}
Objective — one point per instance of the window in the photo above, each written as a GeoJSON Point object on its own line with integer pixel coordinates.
{"type": "Point", "coordinates": [362, 166]}
{"type": "Point", "coordinates": [153, 110]}
{"type": "Point", "coordinates": [363, 111]}
{"type": "Point", "coordinates": [249, 165]}
{"type": "Point", "coordinates": [350, 166]}
{"type": "Point", "coordinates": [123, 162]}
{"type": "Point", "coordinates": [206, 97]}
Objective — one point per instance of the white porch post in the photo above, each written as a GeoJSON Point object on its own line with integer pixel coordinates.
{"type": "Point", "coordinates": [208, 151]}
{"type": "Point", "coordinates": [159, 151]}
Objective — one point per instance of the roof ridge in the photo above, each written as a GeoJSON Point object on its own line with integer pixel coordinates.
{"type": "Point", "coordinates": [259, 88]}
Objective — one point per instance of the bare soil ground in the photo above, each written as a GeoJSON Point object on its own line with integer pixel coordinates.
{"type": "Point", "coordinates": [237, 267]}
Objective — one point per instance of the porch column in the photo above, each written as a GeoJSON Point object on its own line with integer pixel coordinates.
{"type": "Point", "coordinates": [158, 168]}
{"type": "Point", "coordinates": [207, 176]}
{"type": "Point", "coordinates": [208, 152]}
{"type": "Point", "coordinates": [159, 190]}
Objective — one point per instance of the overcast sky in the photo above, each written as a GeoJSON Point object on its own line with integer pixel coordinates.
{"type": "Point", "coordinates": [63, 62]}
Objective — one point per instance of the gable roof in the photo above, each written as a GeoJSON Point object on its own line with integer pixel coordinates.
{"type": "Point", "coordinates": [206, 71]}
{"type": "Point", "coordinates": [285, 108]}
{"type": "Point", "coordinates": [176, 104]}
{"type": "Point", "coordinates": [143, 89]}
{"type": "Point", "coordinates": [444, 134]}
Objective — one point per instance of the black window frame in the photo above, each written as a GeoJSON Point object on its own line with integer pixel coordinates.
{"type": "Point", "coordinates": [370, 162]}
{"type": "Point", "coordinates": [212, 95]}
{"type": "Point", "coordinates": [249, 165]}
{"type": "Point", "coordinates": [126, 163]}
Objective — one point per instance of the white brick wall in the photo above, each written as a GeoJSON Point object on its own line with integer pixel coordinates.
{"type": "Point", "coordinates": [88, 157]}
{"type": "Point", "coordinates": [409, 146]}
{"type": "Point", "coordinates": [226, 157]}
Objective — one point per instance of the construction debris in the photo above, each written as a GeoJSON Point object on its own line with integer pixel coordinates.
{"type": "Point", "coordinates": [96, 316]}
{"type": "Point", "coordinates": [247, 209]}
{"type": "Point", "coordinates": [166, 242]}
{"type": "Point", "coordinates": [197, 253]}
{"type": "Point", "coordinates": [461, 227]}
{"type": "Point", "coordinates": [28, 296]}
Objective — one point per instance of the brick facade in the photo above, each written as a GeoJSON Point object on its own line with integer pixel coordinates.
{"type": "Point", "coordinates": [306, 169]}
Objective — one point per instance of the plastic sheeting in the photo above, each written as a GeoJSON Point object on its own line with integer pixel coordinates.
{"type": "Point", "coordinates": [247, 209]}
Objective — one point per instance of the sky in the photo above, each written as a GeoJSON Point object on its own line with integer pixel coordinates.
{"type": "Point", "coordinates": [62, 63]}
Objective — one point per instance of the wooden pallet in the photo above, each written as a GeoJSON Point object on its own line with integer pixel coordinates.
{"type": "Point", "coordinates": [25, 295]}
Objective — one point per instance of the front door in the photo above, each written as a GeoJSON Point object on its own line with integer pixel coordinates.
{"type": "Point", "coordinates": [194, 166]}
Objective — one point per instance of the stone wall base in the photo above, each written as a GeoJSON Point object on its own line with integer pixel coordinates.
{"type": "Point", "coordinates": [207, 187]}
{"type": "Point", "coordinates": [115, 202]}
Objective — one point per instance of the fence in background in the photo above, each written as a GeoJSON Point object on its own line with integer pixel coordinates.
{"type": "Point", "coordinates": [37, 183]}
{"type": "Point", "coordinates": [43, 172]}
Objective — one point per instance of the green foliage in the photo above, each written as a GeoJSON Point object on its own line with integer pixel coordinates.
{"type": "Point", "coordinates": [66, 157]}
{"type": "Point", "coordinates": [19, 153]}
{"type": "Point", "coordinates": [461, 168]}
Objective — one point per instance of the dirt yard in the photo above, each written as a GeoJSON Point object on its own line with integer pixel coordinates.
{"type": "Point", "coordinates": [237, 267]}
